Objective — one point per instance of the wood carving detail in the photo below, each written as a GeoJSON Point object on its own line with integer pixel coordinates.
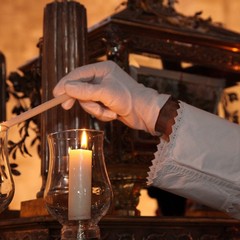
{"type": "Point", "coordinates": [26, 235]}
{"type": "Point", "coordinates": [216, 58]}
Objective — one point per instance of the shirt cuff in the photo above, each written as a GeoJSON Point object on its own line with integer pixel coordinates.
{"type": "Point", "coordinates": [201, 162]}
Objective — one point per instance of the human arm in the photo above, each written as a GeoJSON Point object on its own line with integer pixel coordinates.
{"type": "Point", "coordinates": [198, 154]}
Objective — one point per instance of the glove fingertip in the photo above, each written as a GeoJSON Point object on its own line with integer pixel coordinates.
{"type": "Point", "coordinates": [68, 104]}
{"type": "Point", "coordinates": [108, 114]}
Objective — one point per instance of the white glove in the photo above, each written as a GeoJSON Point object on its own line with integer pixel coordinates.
{"type": "Point", "coordinates": [107, 92]}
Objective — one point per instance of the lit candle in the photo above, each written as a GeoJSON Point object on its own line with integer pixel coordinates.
{"type": "Point", "coordinates": [80, 182]}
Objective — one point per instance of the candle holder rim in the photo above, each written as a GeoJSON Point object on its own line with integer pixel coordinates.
{"type": "Point", "coordinates": [100, 132]}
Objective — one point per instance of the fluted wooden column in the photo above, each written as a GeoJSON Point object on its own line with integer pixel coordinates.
{"type": "Point", "coordinates": [64, 48]}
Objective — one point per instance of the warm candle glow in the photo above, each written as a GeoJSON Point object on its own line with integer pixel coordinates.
{"type": "Point", "coordinates": [84, 140]}
{"type": "Point", "coordinates": [80, 182]}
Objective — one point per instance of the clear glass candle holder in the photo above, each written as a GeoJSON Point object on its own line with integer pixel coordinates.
{"type": "Point", "coordinates": [78, 192]}
{"type": "Point", "coordinates": [6, 179]}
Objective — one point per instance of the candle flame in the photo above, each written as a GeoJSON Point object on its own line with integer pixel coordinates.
{"type": "Point", "coordinates": [84, 140]}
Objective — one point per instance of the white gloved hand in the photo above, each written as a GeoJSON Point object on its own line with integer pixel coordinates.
{"type": "Point", "coordinates": [107, 92]}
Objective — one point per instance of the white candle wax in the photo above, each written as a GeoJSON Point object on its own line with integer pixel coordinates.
{"type": "Point", "coordinates": [80, 184]}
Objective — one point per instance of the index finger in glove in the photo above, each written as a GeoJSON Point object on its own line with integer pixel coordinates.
{"type": "Point", "coordinates": [89, 73]}
{"type": "Point", "coordinates": [85, 92]}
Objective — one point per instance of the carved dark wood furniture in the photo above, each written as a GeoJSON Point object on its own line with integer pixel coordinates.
{"type": "Point", "coordinates": [128, 228]}
{"type": "Point", "coordinates": [162, 32]}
